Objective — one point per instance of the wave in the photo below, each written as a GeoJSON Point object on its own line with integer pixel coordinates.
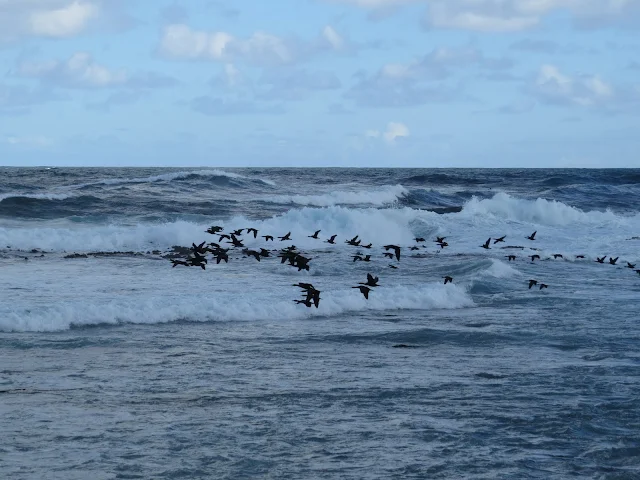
{"type": "Point", "coordinates": [160, 309]}
{"type": "Point", "coordinates": [168, 177]}
{"type": "Point", "coordinates": [385, 195]}
{"type": "Point", "coordinates": [14, 196]}
{"type": "Point", "coordinates": [539, 211]}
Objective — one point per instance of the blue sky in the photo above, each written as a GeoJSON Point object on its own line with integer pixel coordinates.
{"type": "Point", "coordinates": [415, 83]}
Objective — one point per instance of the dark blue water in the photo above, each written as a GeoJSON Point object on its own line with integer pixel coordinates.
{"type": "Point", "coordinates": [116, 365]}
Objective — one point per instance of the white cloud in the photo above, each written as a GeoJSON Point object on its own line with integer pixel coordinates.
{"type": "Point", "coordinates": [62, 22]}
{"type": "Point", "coordinates": [50, 18]}
{"type": "Point", "coordinates": [517, 15]}
{"type": "Point", "coordinates": [394, 130]}
{"type": "Point", "coordinates": [553, 86]}
{"type": "Point", "coordinates": [180, 41]}
{"type": "Point", "coordinates": [333, 37]}
{"type": "Point", "coordinates": [81, 71]}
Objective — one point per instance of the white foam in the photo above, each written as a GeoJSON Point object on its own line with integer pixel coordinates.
{"type": "Point", "coordinates": [539, 211]}
{"type": "Point", "coordinates": [381, 196]}
{"type": "Point", "coordinates": [500, 269]}
{"type": "Point", "coordinates": [39, 196]}
{"type": "Point", "coordinates": [167, 308]}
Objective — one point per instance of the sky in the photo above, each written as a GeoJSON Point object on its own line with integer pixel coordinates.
{"type": "Point", "coordinates": [299, 83]}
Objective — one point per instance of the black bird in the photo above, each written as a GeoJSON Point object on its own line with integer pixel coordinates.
{"type": "Point", "coordinates": [557, 255]}
{"type": "Point", "coordinates": [532, 283]}
{"type": "Point", "coordinates": [236, 242]}
{"type": "Point", "coordinates": [199, 248]}
{"type": "Point", "coordinates": [388, 254]}
{"type": "Point", "coordinates": [264, 252]}
{"type": "Point", "coordinates": [238, 231]}
{"type": "Point", "coordinates": [364, 259]}
{"type": "Point", "coordinates": [255, 232]}
{"type": "Point", "coordinates": [543, 285]}
{"type": "Point", "coordinates": [315, 235]}
{"type": "Point", "coordinates": [630, 265]}
{"type": "Point", "coordinates": [224, 235]}
{"type": "Point", "coordinates": [179, 262]}
{"type": "Point", "coordinates": [286, 237]}
{"type": "Point", "coordinates": [252, 253]}
{"type": "Point", "coordinates": [393, 266]}
{"type": "Point", "coordinates": [443, 244]}
{"type": "Point", "coordinates": [367, 246]}
{"type": "Point", "coordinates": [486, 244]}
{"type": "Point", "coordinates": [439, 239]}
{"type": "Point", "coordinates": [600, 260]}
{"type": "Point", "coordinates": [304, 286]}
{"type": "Point", "coordinates": [613, 261]}
{"type": "Point", "coordinates": [532, 236]}
{"type": "Point", "coordinates": [364, 290]}
{"type": "Point", "coordinates": [395, 248]}
{"type": "Point", "coordinates": [221, 256]}
{"type": "Point", "coordinates": [534, 257]}
{"type": "Point", "coordinates": [498, 240]}
{"type": "Point", "coordinates": [511, 257]}
{"type": "Point", "coordinates": [312, 294]}
{"type": "Point", "coordinates": [579, 256]}
{"type": "Point", "coordinates": [371, 281]}
{"type": "Point", "coordinates": [419, 239]}
{"type": "Point", "coordinates": [332, 240]}
{"type": "Point", "coordinates": [448, 279]}
{"type": "Point", "coordinates": [267, 238]}
{"type": "Point", "coordinates": [354, 241]}
{"type": "Point", "coordinates": [414, 248]}
{"type": "Point", "coordinates": [214, 229]}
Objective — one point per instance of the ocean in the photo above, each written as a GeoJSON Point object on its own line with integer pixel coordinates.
{"type": "Point", "coordinates": [114, 364]}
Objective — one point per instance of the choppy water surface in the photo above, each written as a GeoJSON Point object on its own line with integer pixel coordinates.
{"type": "Point", "coordinates": [119, 366]}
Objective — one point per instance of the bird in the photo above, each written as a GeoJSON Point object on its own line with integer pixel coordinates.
{"type": "Point", "coordinates": [366, 246]}
{"type": "Point", "coordinates": [332, 240]}
{"type": "Point", "coordinates": [371, 281]}
{"type": "Point", "coordinates": [252, 253]}
{"type": "Point", "coordinates": [443, 244]}
{"type": "Point", "coordinates": [543, 285]}
{"type": "Point", "coordinates": [354, 241]}
{"type": "Point", "coordinates": [631, 265]}
{"type": "Point", "coordinates": [532, 236]}
{"type": "Point", "coordinates": [439, 239]}
{"type": "Point", "coordinates": [179, 262]}
{"type": "Point", "coordinates": [366, 258]}
{"type": "Point", "coordinates": [214, 229]}
{"type": "Point", "coordinates": [267, 238]}
{"type": "Point", "coordinates": [511, 257]}
{"type": "Point", "coordinates": [393, 266]}
{"type": "Point", "coordinates": [388, 254]}
{"type": "Point", "coordinates": [315, 235]}
{"type": "Point", "coordinates": [238, 231]}
{"type": "Point", "coordinates": [448, 279]}
{"type": "Point", "coordinates": [419, 239]}
{"type": "Point", "coordinates": [285, 237]}
{"type": "Point", "coordinates": [395, 248]}
{"type": "Point", "coordinates": [557, 255]}
{"type": "Point", "coordinates": [600, 260]}
{"type": "Point", "coordinates": [532, 283]}
{"type": "Point", "coordinates": [613, 261]}
{"type": "Point", "coordinates": [498, 240]}
{"type": "Point", "coordinates": [535, 257]}
{"type": "Point", "coordinates": [486, 244]}
{"type": "Point", "coordinates": [255, 232]}
{"type": "Point", "coordinates": [364, 290]}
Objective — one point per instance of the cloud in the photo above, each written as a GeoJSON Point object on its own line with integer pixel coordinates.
{"type": "Point", "coordinates": [394, 131]}
{"type": "Point", "coordinates": [554, 87]}
{"type": "Point", "coordinates": [65, 21]}
{"type": "Point", "coordinates": [58, 19]}
{"type": "Point", "coordinates": [216, 106]}
{"type": "Point", "coordinates": [81, 71]}
{"type": "Point", "coordinates": [296, 84]}
{"type": "Point", "coordinates": [423, 80]}
{"type": "Point", "coordinates": [38, 141]}
{"type": "Point", "coordinates": [179, 41]}
{"type": "Point", "coordinates": [518, 15]}
{"type": "Point", "coordinates": [18, 99]}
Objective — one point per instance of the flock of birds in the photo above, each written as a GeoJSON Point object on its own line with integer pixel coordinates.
{"type": "Point", "coordinates": [294, 258]}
